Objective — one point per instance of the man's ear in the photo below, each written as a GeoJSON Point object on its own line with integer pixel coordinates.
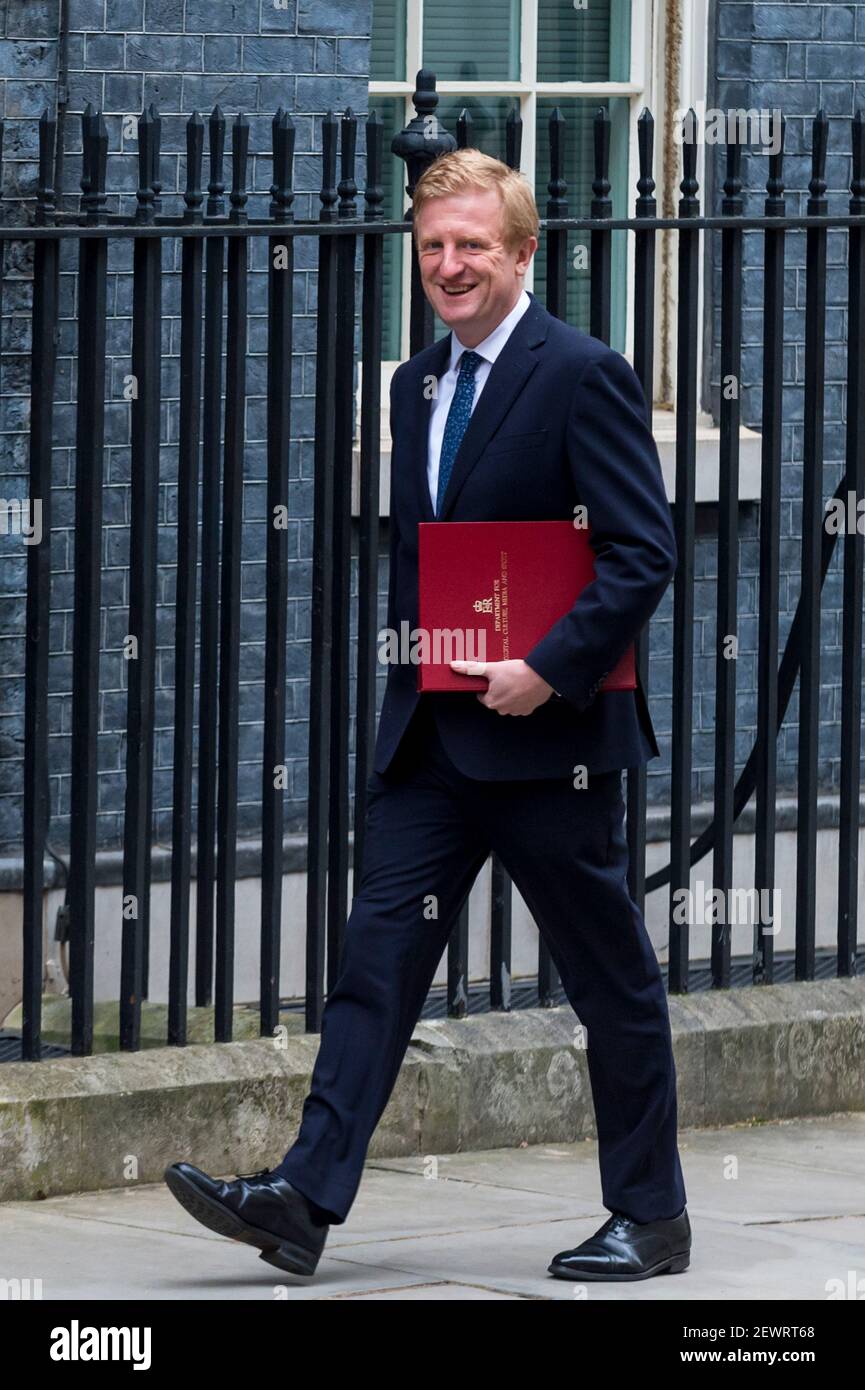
{"type": "Point", "coordinates": [524, 255]}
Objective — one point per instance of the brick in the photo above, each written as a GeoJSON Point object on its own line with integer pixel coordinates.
{"type": "Point", "coordinates": [733, 59]}
{"type": "Point", "coordinates": [735, 21]}
{"type": "Point", "coordinates": [27, 98]}
{"type": "Point", "coordinates": [220, 17]}
{"type": "Point", "coordinates": [27, 61]}
{"type": "Point", "coordinates": [231, 93]}
{"type": "Point", "coordinates": [276, 54]}
{"type": "Point", "coordinates": [353, 56]}
{"type": "Point", "coordinates": [123, 92]}
{"type": "Point", "coordinates": [325, 55]}
{"type": "Point", "coordinates": [102, 51]}
{"type": "Point", "coordinates": [165, 89]}
{"type": "Point", "coordinates": [834, 60]}
{"type": "Point", "coordinates": [769, 60]}
{"type": "Point", "coordinates": [155, 53]}
{"type": "Point", "coordinates": [330, 93]}
{"type": "Point", "coordinates": [839, 21]}
{"type": "Point", "coordinates": [163, 16]}
{"type": "Point", "coordinates": [124, 15]}
{"type": "Point", "coordinates": [222, 53]}
{"type": "Point", "coordinates": [32, 19]}
{"type": "Point", "coordinates": [86, 14]}
{"type": "Point", "coordinates": [787, 21]}
{"type": "Point", "coordinates": [334, 17]}
{"type": "Point", "coordinates": [280, 18]}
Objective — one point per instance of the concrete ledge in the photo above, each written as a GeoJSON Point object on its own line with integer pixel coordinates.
{"type": "Point", "coordinates": [488, 1081]}
{"type": "Point", "coordinates": [200, 1023]}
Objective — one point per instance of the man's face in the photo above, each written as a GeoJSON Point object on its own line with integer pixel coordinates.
{"type": "Point", "coordinates": [469, 276]}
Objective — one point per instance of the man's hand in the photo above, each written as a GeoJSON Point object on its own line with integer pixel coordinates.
{"type": "Point", "coordinates": [514, 688]}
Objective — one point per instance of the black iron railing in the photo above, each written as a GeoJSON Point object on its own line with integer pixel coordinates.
{"type": "Point", "coordinates": [215, 245]}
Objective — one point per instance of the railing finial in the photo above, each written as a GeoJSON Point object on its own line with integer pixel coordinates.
{"type": "Point", "coordinates": [646, 204]}
{"type": "Point", "coordinates": [689, 203]}
{"type": "Point", "coordinates": [775, 205]}
{"type": "Point", "coordinates": [557, 204]}
{"type": "Point", "coordinates": [239, 157]}
{"type": "Point", "coordinates": [513, 137]}
{"type": "Point", "coordinates": [281, 192]}
{"type": "Point", "coordinates": [216, 183]}
{"type": "Point", "coordinates": [817, 203]}
{"type": "Point", "coordinates": [601, 203]}
{"type": "Point", "coordinates": [329, 191]}
{"type": "Point", "coordinates": [45, 187]}
{"type": "Point", "coordinates": [193, 196]}
{"type": "Point", "coordinates": [424, 138]}
{"type": "Point", "coordinates": [374, 192]}
{"type": "Point", "coordinates": [347, 188]}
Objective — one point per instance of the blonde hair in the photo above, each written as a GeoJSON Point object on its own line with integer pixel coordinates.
{"type": "Point", "coordinates": [466, 171]}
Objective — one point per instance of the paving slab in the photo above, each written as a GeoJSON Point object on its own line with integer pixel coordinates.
{"type": "Point", "coordinates": [777, 1211]}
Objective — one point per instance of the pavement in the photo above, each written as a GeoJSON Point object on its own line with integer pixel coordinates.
{"type": "Point", "coordinates": [777, 1212]}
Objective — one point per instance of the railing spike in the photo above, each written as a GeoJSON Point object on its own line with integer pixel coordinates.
{"type": "Point", "coordinates": [513, 137]}
{"type": "Point", "coordinates": [347, 188]}
{"type": "Point", "coordinates": [329, 192]}
{"type": "Point", "coordinates": [45, 187]}
{"type": "Point", "coordinates": [281, 192]}
{"type": "Point", "coordinates": [239, 159]}
{"type": "Point", "coordinates": [216, 183]}
{"type": "Point", "coordinates": [193, 196]}
{"type": "Point", "coordinates": [374, 192]}
{"type": "Point", "coordinates": [646, 204]}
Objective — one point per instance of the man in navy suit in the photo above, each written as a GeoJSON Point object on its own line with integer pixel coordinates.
{"type": "Point", "coordinates": [513, 415]}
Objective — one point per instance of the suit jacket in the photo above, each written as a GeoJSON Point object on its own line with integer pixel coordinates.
{"type": "Point", "coordinates": [561, 421]}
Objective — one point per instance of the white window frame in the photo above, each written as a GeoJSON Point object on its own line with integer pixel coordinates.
{"type": "Point", "coordinates": [527, 89]}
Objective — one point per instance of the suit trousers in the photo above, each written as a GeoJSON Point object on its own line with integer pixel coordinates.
{"type": "Point", "coordinates": [429, 831]}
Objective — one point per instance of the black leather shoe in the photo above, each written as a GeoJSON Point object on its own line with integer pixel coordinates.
{"type": "Point", "coordinates": [260, 1209]}
{"type": "Point", "coordinates": [626, 1249]}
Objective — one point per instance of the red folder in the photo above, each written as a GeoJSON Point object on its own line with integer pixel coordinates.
{"type": "Point", "coordinates": [507, 580]}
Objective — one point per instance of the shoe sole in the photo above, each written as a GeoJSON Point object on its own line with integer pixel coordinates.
{"type": "Point", "coordinates": [283, 1254]}
{"type": "Point", "coordinates": [677, 1265]}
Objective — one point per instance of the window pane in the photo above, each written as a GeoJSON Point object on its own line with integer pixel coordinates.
{"type": "Point", "coordinates": [392, 112]}
{"type": "Point", "coordinates": [579, 170]}
{"type": "Point", "coordinates": [489, 30]}
{"type": "Point", "coordinates": [387, 49]}
{"type": "Point", "coordinates": [489, 116]}
{"type": "Point", "coordinates": [584, 45]}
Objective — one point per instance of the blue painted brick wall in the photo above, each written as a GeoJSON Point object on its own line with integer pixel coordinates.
{"type": "Point", "coordinates": [250, 55]}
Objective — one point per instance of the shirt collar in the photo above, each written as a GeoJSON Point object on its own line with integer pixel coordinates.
{"type": "Point", "coordinates": [492, 345]}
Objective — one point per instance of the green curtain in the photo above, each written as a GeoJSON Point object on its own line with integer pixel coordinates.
{"type": "Point", "coordinates": [479, 42]}
{"type": "Point", "coordinates": [387, 48]}
{"type": "Point", "coordinates": [584, 45]}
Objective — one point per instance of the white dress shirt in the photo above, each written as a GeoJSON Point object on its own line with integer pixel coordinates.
{"type": "Point", "coordinates": [489, 350]}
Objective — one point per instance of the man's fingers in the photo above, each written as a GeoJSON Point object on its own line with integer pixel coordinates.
{"type": "Point", "coordinates": [485, 700]}
{"type": "Point", "coordinates": [470, 668]}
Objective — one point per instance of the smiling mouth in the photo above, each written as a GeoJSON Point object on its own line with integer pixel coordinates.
{"type": "Point", "coordinates": [456, 291]}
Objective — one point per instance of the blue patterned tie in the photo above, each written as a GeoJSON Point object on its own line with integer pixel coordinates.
{"type": "Point", "coordinates": [457, 421]}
